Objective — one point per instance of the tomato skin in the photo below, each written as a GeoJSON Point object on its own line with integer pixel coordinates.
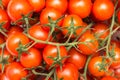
{"type": "Point", "coordinates": [68, 72]}
{"type": "Point", "coordinates": [13, 41]}
{"type": "Point", "coordinates": [51, 51]}
{"type": "Point", "coordinates": [101, 8]}
{"type": "Point", "coordinates": [60, 5]}
{"type": "Point", "coordinates": [91, 47]}
{"type": "Point", "coordinates": [76, 58]}
{"type": "Point", "coordinates": [4, 77]}
{"type": "Point", "coordinates": [77, 22]}
{"type": "Point", "coordinates": [102, 29]}
{"type": "Point", "coordinates": [51, 12]}
{"type": "Point", "coordinates": [4, 18]}
{"type": "Point", "coordinates": [5, 3]}
{"type": "Point", "coordinates": [109, 78]}
{"type": "Point", "coordinates": [118, 16]}
{"type": "Point", "coordinates": [33, 57]}
{"type": "Point", "coordinates": [80, 7]}
{"type": "Point", "coordinates": [15, 71]}
{"type": "Point", "coordinates": [17, 8]}
{"type": "Point", "coordinates": [94, 68]}
{"type": "Point", "coordinates": [39, 33]}
{"type": "Point", "coordinates": [2, 40]}
{"type": "Point", "coordinates": [37, 5]}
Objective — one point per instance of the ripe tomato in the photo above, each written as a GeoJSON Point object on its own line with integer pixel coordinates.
{"type": "Point", "coordinates": [109, 78]}
{"type": "Point", "coordinates": [101, 9]}
{"type": "Point", "coordinates": [118, 16]}
{"type": "Point", "coordinates": [37, 5]}
{"type": "Point", "coordinates": [4, 77]}
{"type": "Point", "coordinates": [77, 23]}
{"type": "Point", "coordinates": [4, 18]}
{"type": "Point", "coordinates": [68, 72]}
{"type": "Point", "coordinates": [39, 33]}
{"type": "Point", "coordinates": [17, 8]}
{"type": "Point", "coordinates": [94, 66]}
{"type": "Point", "coordinates": [60, 5]}
{"type": "Point", "coordinates": [15, 71]}
{"type": "Point", "coordinates": [2, 40]}
{"type": "Point", "coordinates": [80, 7]}
{"type": "Point", "coordinates": [76, 58]}
{"type": "Point", "coordinates": [5, 3]}
{"type": "Point", "coordinates": [33, 57]}
{"type": "Point", "coordinates": [52, 51]}
{"type": "Point", "coordinates": [101, 30]}
{"type": "Point", "coordinates": [51, 12]}
{"type": "Point", "coordinates": [89, 45]}
{"type": "Point", "coordinates": [12, 42]}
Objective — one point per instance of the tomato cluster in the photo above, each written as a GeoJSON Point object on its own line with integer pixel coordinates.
{"type": "Point", "coordinates": [59, 40]}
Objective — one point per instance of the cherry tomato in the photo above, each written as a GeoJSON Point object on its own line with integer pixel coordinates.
{"type": "Point", "coordinates": [60, 5]}
{"type": "Point", "coordinates": [118, 16]}
{"type": "Point", "coordinates": [39, 33]}
{"type": "Point", "coordinates": [2, 40]}
{"type": "Point", "coordinates": [76, 58]}
{"type": "Point", "coordinates": [103, 9]}
{"type": "Point", "coordinates": [109, 78]}
{"type": "Point", "coordinates": [80, 7]}
{"type": "Point", "coordinates": [13, 42]}
{"type": "Point", "coordinates": [77, 21]}
{"type": "Point", "coordinates": [15, 71]}
{"type": "Point", "coordinates": [37, 5]}
{"type": "Point", "coordinates": [4, 18]}
{"type": "Point", "coordinates": [52, 51]}
{"type": "Point", "coordinates": [52, 13]}
{"type": "Point", "coordinates": [4, 77]}
{"type": "Point", "coordinates": [94, 66]}
{"type": "Point", "coordinates": [17, 8]}
{"type": "Point", "coordinates": [33, 57]}
{"type": "Point", "coordinates": [68, 72]}
{"type": "Point", "coordinates": [101, 30]}
{"type": "Point", "coordinates": [89, 45]}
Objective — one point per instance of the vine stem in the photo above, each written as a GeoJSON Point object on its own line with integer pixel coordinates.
{"type": "Point", "coordinates": [3, 33]}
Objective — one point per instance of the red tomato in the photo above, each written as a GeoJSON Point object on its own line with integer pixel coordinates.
{"type": "Point", "coordinates": [101, 30]}
{"type": "Point", "coordinates": [118, 16]}
{"type": "Point", "coordinates": [5, 3]}
{"type": "Point", "coordinates": [4, 77]}
{"type": "Point", "coordinates": [80, 7]}
{"type": "Point", "coordinates": [15, 71]}
{"type": "Point", "coordinates": [51, 12]}
{"type": "Point", "coordinates": [94, 66]}
{"type": "Point", "coordinates": [89, 45]}
{"type": "Point", "coordinates": [76, 58]}
{"type": "Point", "coordinates": [4, 18]}
{"type": "Point", "coordinates": [68, 72]}
{"type": "Point", "coordinates": [2, 40]}
{"type": "Point", "coordinates": [60, 5]}
{"type": "Point", "coordinates": [13, 41]}
{"type": "Point", "coordinates": [103, 9]}
{"type": "Point", "coordinates": [31, 59]}
{"type": "Point", "coordinates": [17, 8]}
{"type": "Point", "coordinates": [37, 5]}
{"type": "Point", "coordinates": [39, 33]}
{"type": "Point", "coordinates": [77, 23]}
{"type": "Point", "coordinates": [51, 51]}
{"type": "Point", "coordinates": [109, 78]}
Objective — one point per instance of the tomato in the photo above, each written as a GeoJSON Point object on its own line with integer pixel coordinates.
{"type": "Point", "coordinates": [115, 56]}
{"type": "Point", "coordinates": [94, 66]}
{"type": "Point", "coordinates": [4, 18]}
{"type": "Point", "coordinates": [7, 58]}
{"type": "Point", "coordinates": [39, 33]}
{"type": "Point", "coordinates": [76, 58]}
{"type": "Point", "coordinates": [17, 8]}
{"type": "Point", "coordinates": [109, 78]}
{"type": "Point", "coordinates": [12, 42]}
{"type": "Point", "coordinates": [60, 5]}
{"type": "Point", "coordinates": [52, 51]}
{"type": "Point", "coordinates": [89, 45]}
{"type": "Point", "coordinates": [80, 7]}
{"type": "Point", "coordinates": [68, 72]}
{"type": "Point", "coordinates": [101, 8]}
{"type": "Point", "coordinates": [101, 30]}
{"type": "Point", "coordinates": [49, 12]}
{"type": "Point", "coordinates": [117, 72]}
{"type": "Point", "coordinates": [15, 71]}
{"type": "Point", "coordinates": [5, 3]}
{"type": "Point", "coordinates": [78, 25]}
{"type": "Point", "coordinates": [4, 77]}
{"type": "Point", "coordinates": [118, 16]}
{"type": "Point", "coordinates": [2, 40]}
{"type": "Point", "coordinates": [33, 57]}
{"type": "Point", "coordinates": [37, 5]}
